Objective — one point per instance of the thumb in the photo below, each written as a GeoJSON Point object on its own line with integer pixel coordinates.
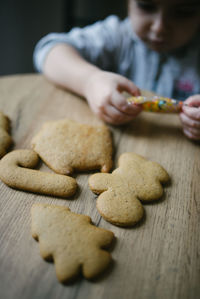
{"type": "Point", "coordinates": [128, 86]}
{"type": "Point", "coordinates": [192, 109]}
{"type": "Point", "coordinates": [193, 101]}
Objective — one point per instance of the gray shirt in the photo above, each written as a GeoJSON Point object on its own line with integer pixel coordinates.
{"type": "Point", "coordinates": [112, 45]}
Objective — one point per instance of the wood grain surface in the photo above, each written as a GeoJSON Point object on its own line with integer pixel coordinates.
{"type": "Point", "coordinates": [157, 259]}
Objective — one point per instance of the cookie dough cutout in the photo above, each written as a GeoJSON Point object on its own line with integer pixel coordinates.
{"type": "Point", "coordinates": [5, 138]}
{"type": "Point", "coordinates": [15, 172]}
{"type": "Point", "coordinates": [67, 146]}
{"type": "Point", "coordinates": [71, 241]}
{"type": "Point", "coordinates": [136, 179]}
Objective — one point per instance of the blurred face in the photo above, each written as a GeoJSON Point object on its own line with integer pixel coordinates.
{"type": "Point", "coordinates": [165, 25]}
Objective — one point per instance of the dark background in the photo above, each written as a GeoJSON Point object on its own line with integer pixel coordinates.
{"type": "Point", "coordinates": [24, 22]}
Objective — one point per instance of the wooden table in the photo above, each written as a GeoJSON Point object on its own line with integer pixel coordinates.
{"type": "Point", "coordinates": [157, 259]}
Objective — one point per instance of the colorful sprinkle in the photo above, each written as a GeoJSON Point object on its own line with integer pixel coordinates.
{"type": "Point", "coordinates": [157, 104]}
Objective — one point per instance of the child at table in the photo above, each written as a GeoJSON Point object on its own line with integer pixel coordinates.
{"type": "Point", "coordinates": [156, 48]}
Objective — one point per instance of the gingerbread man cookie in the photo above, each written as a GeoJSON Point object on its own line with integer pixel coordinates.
{"type": "Point", "coordinates": [136, 179]}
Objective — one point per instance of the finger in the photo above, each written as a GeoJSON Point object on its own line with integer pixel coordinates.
{"type": "Point", "coordinates": [192, 112]}
{"type": "Point", "coordinates": [127, 85]}
{"type": "Point", "coordinates": [102, 115]}
{"type": "Point", "coordinates": [109, 120]}
{"type": "Point", "coordinates": [117, 116]}
{"type": "Point", "coordinates": [193, 131]}
{"type": "Point", "coordinates": [193, 101]}
{"type": "Point", "coordinates": [191, 107]}
{"type": "Point", "coordinates": [187, 121]}
{"type": "Point", "coordinates": [120, 102]}
{"type": "Point", "coordinates": [191, 135]}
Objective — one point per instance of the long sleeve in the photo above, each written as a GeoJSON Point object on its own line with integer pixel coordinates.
{"type": "Point", "coordinates": [97, 43]}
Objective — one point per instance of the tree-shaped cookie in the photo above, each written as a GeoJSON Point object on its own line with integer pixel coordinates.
{"type": "Point", "coordinates": [66, 145]}
{"type": "Point", "coordinates": [135, 179]}
{"type": "Point", "coordinates": [5, 139]}
{"type": "Point", "coordinates": [71, 241]}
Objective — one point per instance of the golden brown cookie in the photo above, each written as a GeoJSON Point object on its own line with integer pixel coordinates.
{"type": "Point", "coordinates": [66, 146]}
{"type": "Point", "coordinates": [15, 172]}
{"type": "Point", "coordinates": [135, 179]}
{"type": "Point", "coordinates": [5, 139]}
{"type": "Point", "coordinates": [70, 239]}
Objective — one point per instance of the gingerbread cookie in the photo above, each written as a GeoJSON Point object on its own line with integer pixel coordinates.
{"type": "Point", "coordinates": [66, 146]}
{"type": "Point", "coordinates": [14, 173]}
{"type": "Point", "coordinates": [5, 139]}
{"type": "Point", "coordinates": [135, 179]}
{"type": "Point", "coordinates": [70, 239]}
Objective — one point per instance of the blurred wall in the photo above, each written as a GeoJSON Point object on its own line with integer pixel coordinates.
{"type": "Point", "coordinates": [24, 22]}
{"type": "Point", "coordinates": [89, 11]}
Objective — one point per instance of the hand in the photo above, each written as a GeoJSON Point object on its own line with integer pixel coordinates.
{"type": "Point", "coordinates": [103, 92]}
{"type": "Point", "coordinates": [190, 117]}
